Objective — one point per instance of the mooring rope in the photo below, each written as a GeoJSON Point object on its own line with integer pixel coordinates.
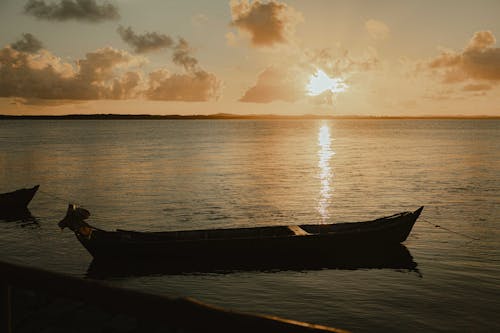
{"type": "Point", "coordinates": [452, 231]}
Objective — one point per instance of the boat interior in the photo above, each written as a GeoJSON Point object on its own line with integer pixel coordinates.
{"type": "Point", "coordinates": [262, 232]}
{"type": "Point", "coordinates": [256, 232]}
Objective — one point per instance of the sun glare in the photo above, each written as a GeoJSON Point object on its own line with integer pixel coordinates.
{"type": "Point", "coordinates": [321, 82]}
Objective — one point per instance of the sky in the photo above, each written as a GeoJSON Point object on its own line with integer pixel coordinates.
{"type": "Point", "coordinates": [323, 57]}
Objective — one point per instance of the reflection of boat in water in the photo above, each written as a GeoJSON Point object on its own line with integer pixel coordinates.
{"type": "Point", "coordinates": [23, 218]}
{"type": "Point", "coordinates": [395, 256]}
{"type": "Point", "coordinates": [15, 204]}
{"type": "Point", "coordinates": [296, 242]}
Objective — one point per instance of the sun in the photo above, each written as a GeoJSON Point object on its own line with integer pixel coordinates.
{"type": "Point", "coordinates": [320, 82]}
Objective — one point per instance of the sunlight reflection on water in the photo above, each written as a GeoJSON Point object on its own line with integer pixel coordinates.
{"type": "Point", "coordinates": [325, 154]}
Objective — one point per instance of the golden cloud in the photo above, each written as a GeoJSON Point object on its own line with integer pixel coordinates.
{"type": "Point", "coordinates": [479, 61]}
{"type": "Point", "coordinates": [288, 82]}
{"type": "Point", "coordinates": [196, 86]}
{"type": "Point", "coordinates": [276, 84]}
{"type": "Point", "coordinates": [338, 62]}
{"type": "Point", "coordinates": [477, 87]}
{"type": "Point", "coordinates": [267, 23]}
{"type": "Point", "coordinates": [103, 74]}
{"type": "Point", "coordinates": [377, 29]}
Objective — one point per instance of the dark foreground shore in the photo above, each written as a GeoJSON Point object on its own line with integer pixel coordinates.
{"type": "Point", "coordinates": [41, 312]}
{"type": "Point", "coordinates": [34, 300]}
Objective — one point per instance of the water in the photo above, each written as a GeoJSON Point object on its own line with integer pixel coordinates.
{"type": "Point", "coordinates": [168, 175]}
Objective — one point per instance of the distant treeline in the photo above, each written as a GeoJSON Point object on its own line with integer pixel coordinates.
{"type": "Point", "coordinates": [220, 116]}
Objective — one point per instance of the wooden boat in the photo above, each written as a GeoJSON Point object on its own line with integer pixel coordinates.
{"type": "Point", "coordinates": [13, 203]}
{"type": "Point", "coordinates": [295, 242]}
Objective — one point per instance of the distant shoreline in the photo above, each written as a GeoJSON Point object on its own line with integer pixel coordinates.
{"type": "Point", "coordinates": [220, 116]}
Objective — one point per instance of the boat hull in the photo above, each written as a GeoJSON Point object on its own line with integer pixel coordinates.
{"type": "Point", "coordinates": [244, 245]}
{"type": "Point", "coordinates": [16, 202]}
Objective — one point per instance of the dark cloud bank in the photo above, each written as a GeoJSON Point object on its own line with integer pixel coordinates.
{"type": "Point", "coordinates": [155, 41]}
{"type": "Point", "coordinates": [147, 42]}
{"type": "Point", "coordinates": [64, 10]}
{"type": "Point", "coordinates": [28, 43]}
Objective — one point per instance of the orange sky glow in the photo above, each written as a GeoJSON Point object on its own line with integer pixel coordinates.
{"type": "Point", "coordinates": [374, 58]}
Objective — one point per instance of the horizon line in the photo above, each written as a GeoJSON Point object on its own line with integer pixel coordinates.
{"type": "Point", "coordinates": [222, 116]}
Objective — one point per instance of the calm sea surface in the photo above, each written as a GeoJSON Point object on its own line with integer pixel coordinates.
{"type": "Point", "coordinates": [171, 175]}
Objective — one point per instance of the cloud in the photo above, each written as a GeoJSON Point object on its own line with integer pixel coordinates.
{"type": "Point", "coordinates": [199, 20]}
{"type": "Point", "coordinates": [182, 55]}
{"type": "Point", "coordinates": [443, 95]}
{"type": "Point", "coordinates": [481, 41]}
{"type": "Point", "coordinates": [477, 87]}
{"type": "Point", "coordinates": [64, 10]}
{"type": "Point", "coordinates": [288, 81]}
{"type": "Point", "coordinates": [338, 62]}
{"type": "Point", "coordinates": [107, 73]}
{"type": "Point", "coordinates": [478, 61]}
{"type": "Point", "coordinates": [23, 75]}
{"type": "Point", "coordinates": [28, 43]}
{"type": "Point", "coordinates": [197, 86]}
{"type": "Point", "coordinates": [100, 66]}
{"type": "Point", "coordinates": [43, 76]}
{"type": "Point", "coordinates": [125, 86]}
{"type": "Point", "coordinates": [276, 84]}
{"type": "Point", "coordinates": [231, 38]}
{"type": "Point", "coordinates": [147, 42]}
{"type": "Point", "coordinates": [153, 41]}
{"type": "Point", "coordinates": [268, 23]}
{"type": "Point", "coordinates": [377, 29]}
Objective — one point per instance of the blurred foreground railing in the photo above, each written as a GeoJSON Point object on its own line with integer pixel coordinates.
{"type": "Point", "coordinates": [183, 313]}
